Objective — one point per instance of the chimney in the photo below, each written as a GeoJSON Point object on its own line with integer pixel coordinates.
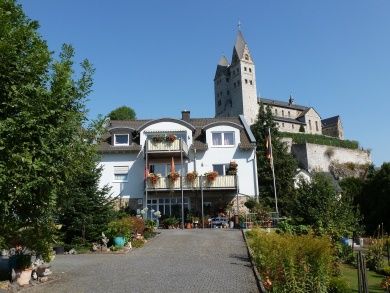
{"type": "Point", "coordinates": [185, 115]}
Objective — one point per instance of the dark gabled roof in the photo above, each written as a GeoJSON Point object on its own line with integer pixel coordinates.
{"type": "Point", "coordinates": [288, 120]}
{"type": "Point", "coordinates": [330, 121]}
{"type": "Point", "coordinates": [307, 110]}
{"type": "Point", "coordinates": [239, 46]}
{"type": "Point", "coordinates": [282, 104]}
{"type": "Point", "coordinates": [197, 125]}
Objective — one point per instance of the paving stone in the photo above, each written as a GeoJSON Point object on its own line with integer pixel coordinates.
{"type": "Point", "coordinates": [210, 260]}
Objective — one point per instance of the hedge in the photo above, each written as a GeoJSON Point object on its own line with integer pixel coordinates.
{"type": "Point", "coordinates": [321, 140]}
{"type": "Point", "coordinates": [290, 263]}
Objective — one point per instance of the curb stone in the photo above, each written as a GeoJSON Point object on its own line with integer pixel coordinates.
{"type": "Point", "coordinates": [254, 268]}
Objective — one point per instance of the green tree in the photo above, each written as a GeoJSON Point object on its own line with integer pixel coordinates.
{"type": "Point", "coordinates": [321, 206]}
{"type": "Point", "coordinates": [84, 210]}
{"type": "Point", "coordinates": [284, 163]}
{"type": "Point", "coordinates": [375, 200]}
{"type": "Point", "coordinates": [122, 113]}
{"type": "Point", "coordinates": [41, 116]}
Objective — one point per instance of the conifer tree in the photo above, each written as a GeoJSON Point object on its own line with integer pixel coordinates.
{"type": "Point", "coordinates": [284, 164]}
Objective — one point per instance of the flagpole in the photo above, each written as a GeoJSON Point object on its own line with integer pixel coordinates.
{"type": "Point", "coordinates": [273, 173]}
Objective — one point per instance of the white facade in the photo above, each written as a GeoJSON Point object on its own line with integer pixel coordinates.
{"type": "Point", "coordinates": [212, 157]}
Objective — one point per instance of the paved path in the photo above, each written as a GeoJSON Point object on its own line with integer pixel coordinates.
{"type": "Point", "coordinates": [210, 260]}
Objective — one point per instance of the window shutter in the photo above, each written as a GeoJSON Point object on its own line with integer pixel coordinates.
{"type": "Point", "coordinates": [121, 169]}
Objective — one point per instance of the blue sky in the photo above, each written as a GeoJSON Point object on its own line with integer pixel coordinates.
{"type": "Point", "coordinates": [159, 57]}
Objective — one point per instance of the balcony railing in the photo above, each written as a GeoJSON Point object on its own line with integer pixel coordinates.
{"type": "Point", "coordinates": [166, 146]}
{"type": "Point", "coordinates": [221, 182]}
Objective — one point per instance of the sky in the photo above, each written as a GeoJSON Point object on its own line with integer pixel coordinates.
{"type": "Point", "coordinates": [159, 57]}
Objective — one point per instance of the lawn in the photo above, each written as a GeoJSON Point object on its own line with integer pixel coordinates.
{"type": "Point", "coordinates": [349, 273]}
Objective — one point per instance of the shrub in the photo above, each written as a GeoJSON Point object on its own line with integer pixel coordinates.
{"type": "Point", "coordinates": [321, 140]}
{"type": "Point", "coordinates": [170, 222]}
{"type": "Point", "coordinates": [374, 256]}
{"type": "Point", "coordinates": [292, 263]}
{"type": "Point", "coordinates": [136, 243]}
{"type": "Point", "coordinates": [338, 285]}
{"type": "Point", "coordinates": [121, 227]}
{"type": "Point", "coordinates": [138, 225]}
{"type": "Point", "coordinates": [385, 271]}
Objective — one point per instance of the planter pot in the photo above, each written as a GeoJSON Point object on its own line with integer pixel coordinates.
{"type": "Point", "coordinates": [188, 226]}
{"type": "Point", "coordinates": [24, 277]}
{"type": "Point", "coordinates": [119, 241]}
{"type": "Point", "coordinates": [59, 249]}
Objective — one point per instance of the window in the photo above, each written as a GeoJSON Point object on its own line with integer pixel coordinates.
{"type": "Point", "coordinates": [223, 138]}
{"type": "Point", "coordinates": [227, 79]}
{"type": "Point", "coordinates": [121, 139]}
{"type": "Point", "coordinates": [310, 124]}
{"type": "Point", "coordinates": [250, 82]}
{"type": "Point", "coordinates": [120, 173]}
{"type": "Point", "coordinates": [244, 68]}
{"type": "Point", "coordinates": [292, 126]}
{"type": "Point", "coordinates": [234, 84]}
{"type": "Point", "coordinates": [276, 112]}
{"type": "Point", "coordinates": [219, 102]}
{"type": "Point", "coordinates": [316, 125]}
{"type": "Point", "coordinates": [246, 57]}
{"type": "Point", "coordinates": [221, 169]}
{"type": "Point", "coordinates": [288, 113]}
{"type": "Point", "coordinates": [238, 83]}
{"type": "Point", "coordinates": [228, 92]}
{"type": "Point", "coordinates": [250, 69]}
{"type": "Point", "coordinates": [246, 81]}
{"type": "Point", "coordinates": [283, 124]}
{"type": "Point", "coordinates": [282, 113]}
{"type": "Point", "coordinates": [164, 169]}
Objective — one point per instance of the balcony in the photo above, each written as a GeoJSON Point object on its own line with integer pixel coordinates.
{"type": "Point", "coordinates": [221, 182]}
{"type": "Point", "coordinates": [166, 147]}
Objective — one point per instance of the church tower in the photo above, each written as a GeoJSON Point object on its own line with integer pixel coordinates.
{"type": "Point", "coordinates": [235, 84]}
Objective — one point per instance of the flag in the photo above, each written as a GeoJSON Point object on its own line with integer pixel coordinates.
{"type": "Point", "coordinates": [268, 146]}
{"type": "Point", "coordinates": [172, 166]}
{"type": "Point", "coordinates": [146, 174]}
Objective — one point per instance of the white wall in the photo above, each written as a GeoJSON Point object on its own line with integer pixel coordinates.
{"type": "Point", "coordinates": [223, 155]}
{"type": "Point", "coordinates": [204, 161]}
{"type": "Point", "coordinates": [134, 188]}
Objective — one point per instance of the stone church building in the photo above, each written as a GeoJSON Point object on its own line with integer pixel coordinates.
{"type": "Point", "coordinates": [236, 94]}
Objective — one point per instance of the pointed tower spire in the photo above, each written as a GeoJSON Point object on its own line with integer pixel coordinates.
{"type": "Point", "coordinates": [222, 66]}
{"type": "Point", "coordinates": [239, 47]}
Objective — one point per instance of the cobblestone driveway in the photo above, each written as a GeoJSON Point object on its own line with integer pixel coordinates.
{"type": "Point", "coordinates": [210, 260]}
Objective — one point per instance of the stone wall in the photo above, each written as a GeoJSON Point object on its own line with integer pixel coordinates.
{"type": "Point", "coordinates": [313, 157]}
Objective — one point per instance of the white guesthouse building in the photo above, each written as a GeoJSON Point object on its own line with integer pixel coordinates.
{"type": "Point", "coordinates": [133, 150]}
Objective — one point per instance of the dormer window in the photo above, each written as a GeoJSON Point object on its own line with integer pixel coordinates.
{"type": "Point", "coordinates": [121, 139]}
{"type": "Point", "coordinates": [223, 138]}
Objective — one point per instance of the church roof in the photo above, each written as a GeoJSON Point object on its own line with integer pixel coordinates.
{"type": "Point", "coordinates": [223, 61]}
{"type": "Point", "coordinates": [282, 104]}
{"type": "Point", "coordinates": [240, 45]}
{"type": "Point", "coordinates": [330, 121]}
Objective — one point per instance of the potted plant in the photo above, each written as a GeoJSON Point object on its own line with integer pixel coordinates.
{"type": "Point", "coordinates": [170, 222]}
{"type": "Point", "coordinates": [158, 138]}
{"type": "Point", "coordinates": [191, 176]}
{"type": "Point", "coordinates": [21, 263]}
{"type": "Point", "coordinates": [232, 168]}
{"type": "Point", "coordinates": [173, 176]}
{"type": "Point", "coordinates": [120, 231]}
{"type": "Point", "coordinates": [171, 137]}
{"type": "Point", "coordinates": [153, 178]}
{"type": "Point", "coordinates": [211, 176]}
